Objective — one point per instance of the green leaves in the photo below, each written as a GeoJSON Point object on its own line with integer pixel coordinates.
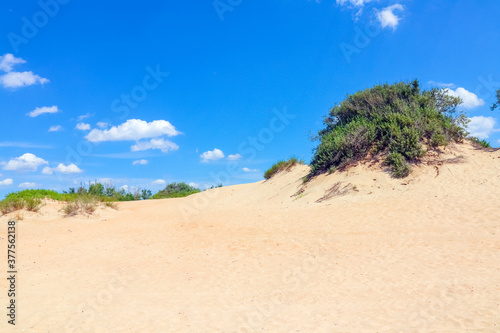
{"type": "Point", "coordinates": [398, 119]}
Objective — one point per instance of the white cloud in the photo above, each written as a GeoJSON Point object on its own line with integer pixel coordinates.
{"type": "Point", "coordinates": [26, 162]}
{"type": "Point", "coordinates": [159, 182]}
{"type": "Point", "coordinates": [470, 100]}
{"type": "Point", "coordinates": [44, 110]}
{"type": "Point", "coordinates": [213, 155]}
{"type": "Point", "coordinates": [17, 79]}
{"type": "Point", "coordinates": [196, 185]}
{"type": "Point", "coordinates": [234, 157]}
{"type": "Point", "coordinates": [61, 168]}
{"type": "Point", "coordinates": [21, 79]}
{"type": "Point", "coordinates": [161, 144]}
{"type": "Point", "coordinates": [102, 124]}
{"type": "Point", "coordinates": [355, 3]}
{"type": "Point", "coordinates": [124, 187]}
{"type": "Point", "coordinates": [250, 170]}
{"type": "Point", "coordinates": [387, 18]}
{"type": "Point", "coordinates": [83, 127]}
{"type": "Point", "coordinates": [6, 182]}
{"type": "Point", "coordinates": [80, 118]}
{"type": "Point", "coordinates": [133, 129]}
{"type": "Point", "coordinates": [441, 84]}
{"type": "Point", "coordinates": [481, 127]}
{"type": "Point", "coordinates": [141, 162]}
{"type": "Point", "coordinates": [7, 62]}
{"type": "Point", "coordinates": [55, 128]}
{"type": "Point", "coordinates": [27, 185]}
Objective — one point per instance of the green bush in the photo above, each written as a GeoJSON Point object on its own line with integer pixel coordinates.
{"type": "Point", "coordinates": [282, 166]}
{"type": "Point", "coordinates": [481, 143]}
{"type": "Point", "coordinates": [400, 168]}
{"type": "Point", "coordinates": [399, 119]}
{"type": "Point", "coordinates": [175, 190]}
{"type": "Point", "coordinates": [33, 204]}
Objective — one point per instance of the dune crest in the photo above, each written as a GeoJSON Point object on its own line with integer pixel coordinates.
{"type": "Point", "coordinates": [354, 251]}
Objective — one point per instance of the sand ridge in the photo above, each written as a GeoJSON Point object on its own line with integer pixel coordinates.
{"type": "Point", "coordinates": [354, 251]}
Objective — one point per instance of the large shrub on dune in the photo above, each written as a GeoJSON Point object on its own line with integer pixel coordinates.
{"type": "Point", "coordinates": [399, 120]}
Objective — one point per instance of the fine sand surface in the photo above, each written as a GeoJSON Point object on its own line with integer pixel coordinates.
{"type": "Point", "coordinates": [379, 255]}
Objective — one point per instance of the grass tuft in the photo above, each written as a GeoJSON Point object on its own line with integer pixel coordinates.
{"type": "Point", "coordinates": [282, 166]}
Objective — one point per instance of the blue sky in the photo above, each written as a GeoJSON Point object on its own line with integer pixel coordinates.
{"type": "Point", "coordinates": [207, 92]}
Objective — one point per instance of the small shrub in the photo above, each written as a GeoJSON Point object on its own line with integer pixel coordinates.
{"type": "Point", "coordinates": [111, 204]}
{"type": "Point", "coordinates": [282, 166]}
{"type": "Point", "coordinates": [71, 209]}
{"type": "Point", "coordinates": [398, 164]}
{"type": "Point", "coordinates": [33, 204]}
{"type": "Point", "coordinates": [176, 190]}
{"type": "Point", "coordinates": [88, 205]}
{"type": "Point", "coordinates": [11, 205]}
{"type": "Point", "coordinates": [479, 143]}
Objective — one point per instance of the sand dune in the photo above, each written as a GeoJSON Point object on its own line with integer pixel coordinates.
{"type": "Point", "coordinates": [354, 251]}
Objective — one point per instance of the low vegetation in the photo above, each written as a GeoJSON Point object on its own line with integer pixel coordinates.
{"type": "Point", "coordinates": [79, 200]}
{"type": "Point", "coordinates": [282, 166]}
{"type": "Point", "coordinates": [176, 190]}
{"type": "Point", "coordinates": [13, 204]}
{"type": "Point", "coordinates": [399, 120]}
{"type": "Point", "coordinates": [85, 200]}
{"type": "Point", "coordinates": [479, 143]}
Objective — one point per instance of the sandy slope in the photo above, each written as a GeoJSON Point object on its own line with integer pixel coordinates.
{"type": "Point", "coordinates": [414, 255]}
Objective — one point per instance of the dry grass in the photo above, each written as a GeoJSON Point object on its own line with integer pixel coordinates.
{"type": "Point", "coordinates": [337, 190]}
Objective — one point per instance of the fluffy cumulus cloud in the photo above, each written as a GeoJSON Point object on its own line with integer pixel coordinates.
{"type": "Point", "coordinates": [7, 62]}
{"type": "Point", "coordinates": [250, 170]}
{"type": "Point", "coordinates": [55, 128]}
{"type": "Point", "coordinates": [133, 129]}
{"type": "Point", "coordinates": [195, 185]}
{"type": "Point", "coordinates": [61, 168]}
{"type": "Point", "coordinates": [481, 127]}
{"type": "Point", "coordinates": [388, 18]}
{"type": "Point", "coordinates": [6, 182]}
{"type": "Point", "coordinates": [21, 79]}
{"type": "Point", "coordinates": [234, 157]}
{"type": "Point", "coordinates": [26, 162]}
{"type": "Point", "coordinates": [213, 155]}
{"type": "Point", "coordinates": [102, 124]}
{"type": "Point", "coordinates": [159, 182]}
{"type": "Point", "coordinates": [140, 162]}
{"type": "Point", "coordinates": [161, 144]}
{"type": "Point", "coordinates": [27, 185]}
{"type": "Point", "coordinates": [83, 127]}
{"type": "Point", "coordinates": [44, 110]}
{"type": "Point", "coordinates": [469, 99]}
{"type": "Point", "coordinates": [12, 79]}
